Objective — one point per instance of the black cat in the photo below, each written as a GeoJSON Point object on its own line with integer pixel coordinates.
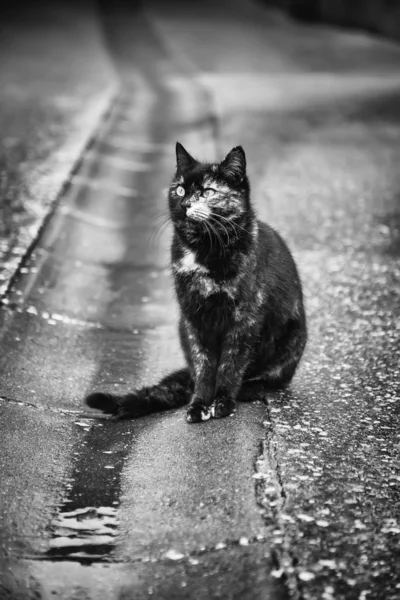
{"type": "Point", "coordinates": [242, 321]}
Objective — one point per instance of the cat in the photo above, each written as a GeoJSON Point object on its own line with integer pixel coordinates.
{"type": "Point", "coordinates": [242, 323]}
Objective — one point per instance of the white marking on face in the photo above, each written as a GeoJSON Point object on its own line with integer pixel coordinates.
{"type": "Point", "coordinates": [198, 211]}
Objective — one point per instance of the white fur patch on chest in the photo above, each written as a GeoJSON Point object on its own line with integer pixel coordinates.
{"type": "Point", "coordinates": [205, 286]}
{"type": "Point", "coordinates": [188, 264]}
{"type": "Point", "coordinates": [201, 281]}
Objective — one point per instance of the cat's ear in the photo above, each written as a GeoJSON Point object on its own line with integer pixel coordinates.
{"type": "Point", "coordinates": [183, 159]}
{"type": "Point", "coordinates": [234, 164]}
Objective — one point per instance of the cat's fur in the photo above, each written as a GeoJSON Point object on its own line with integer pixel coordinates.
{"type": "Point", "coordinates": [242, 321]}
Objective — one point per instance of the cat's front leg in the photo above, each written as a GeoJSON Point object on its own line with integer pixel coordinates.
{"type": "Point", "coordinates": [203, 364]}
{"type": "Point", "coordinates": [205, 374]}
{"type": "Point", "coordinates": [233, 363]}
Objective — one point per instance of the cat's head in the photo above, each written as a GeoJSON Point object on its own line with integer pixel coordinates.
{"type": "Point", "coordinates": [204, 194]}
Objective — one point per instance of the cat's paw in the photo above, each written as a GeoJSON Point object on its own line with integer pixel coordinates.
{"type": "Point", "coordinates": [223, 408]}
{"type": "Point", "coordinates": [197, 412]}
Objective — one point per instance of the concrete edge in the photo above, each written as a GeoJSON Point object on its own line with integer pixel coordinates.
{"type": "Point", "coordinates": [60, 166]}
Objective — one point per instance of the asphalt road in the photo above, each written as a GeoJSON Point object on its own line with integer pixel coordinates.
{"type": "Point", "coordinates": [294, 498]}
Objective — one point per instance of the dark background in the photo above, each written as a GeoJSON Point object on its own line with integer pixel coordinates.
{"type": "Point", "coordinates": [380, 16]}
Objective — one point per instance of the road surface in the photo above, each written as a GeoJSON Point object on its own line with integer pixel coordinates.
{"type": "Point", "coordinates": [296, 497]}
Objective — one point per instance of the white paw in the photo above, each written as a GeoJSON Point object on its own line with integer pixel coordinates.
{"type": "Point", "coordinates": [205, 415]}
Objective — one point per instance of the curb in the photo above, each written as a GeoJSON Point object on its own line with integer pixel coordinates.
{"type": "Point", "coordinates": [60, 168]}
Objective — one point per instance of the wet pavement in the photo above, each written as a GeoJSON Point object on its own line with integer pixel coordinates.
{"type": "Point", "coordinates": [57, 82]}
{"type": "Point", "coordinates": [298, 497]}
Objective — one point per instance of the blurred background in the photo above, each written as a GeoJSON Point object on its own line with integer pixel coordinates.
{"type": "Point", "coordinates": [56, 62]}
{"type": "Point", "coordinates": [379, 16]}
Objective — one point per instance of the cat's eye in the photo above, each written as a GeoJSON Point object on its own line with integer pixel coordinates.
{"type": "Point", "coordinates": [208, 193]}
{"type": "Point", "coordinates": [180, 191]}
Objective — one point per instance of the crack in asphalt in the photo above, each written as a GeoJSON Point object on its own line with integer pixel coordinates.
{"type": "Point", "coordinates": [275, 502]}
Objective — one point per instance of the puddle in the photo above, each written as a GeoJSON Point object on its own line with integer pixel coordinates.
{"type": "Point", "coordinates": [85, 527]}
{"type": "Point", "coordinates": [84, 533]}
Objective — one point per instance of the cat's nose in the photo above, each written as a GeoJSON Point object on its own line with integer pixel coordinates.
{"type": "Point", "coordinates": [186, 203]}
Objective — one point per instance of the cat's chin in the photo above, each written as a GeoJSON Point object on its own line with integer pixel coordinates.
{"type": "Point", "coordinates": [192, 227]}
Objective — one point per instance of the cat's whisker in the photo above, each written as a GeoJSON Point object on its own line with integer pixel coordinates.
{"type": "Point", "coordinates": [209, 234]}
{"type": "Point", "coordinates": [214, 217]}
{"type": "Point", "coordinates": [234, 225]}
{"type": "Point", "coordinates": [156, 223]}
{"type": "Point", "coordinates": [207, 225]}
{"type": "Point", "coordinates": [218, 236]}
{"type": "Point", "coordinates": [230, 222]}
{"type": "Point", "coordinates": [159, 229]}
{"type": "Point", "coordinates": [160, 215]}
{"type": "Point", "coordinates": [226, 231]}
{"type": "Point", "coordinates": [160, 220]}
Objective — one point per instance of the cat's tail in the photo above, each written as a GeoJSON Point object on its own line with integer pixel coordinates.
{"type": "Point", "coordinates": [173, 391]}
